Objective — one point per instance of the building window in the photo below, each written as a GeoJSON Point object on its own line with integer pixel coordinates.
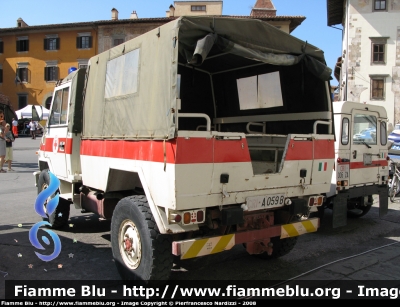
{"type": "Point", "coordinates": [51, 73]}
{"type": "Point", "coordinates": [1, 46]}
{"type": "Point", "coordinates": [198, 8]}
{"type": "Point", "coordinates": [83, 63]}
{"type": "Point", "coordinates": [118, 41]}
{"type": "Point", "coordinates": [1, 73]}
{"type": "Point", "coordinates": [22, 44]}
{"type": "Point", "coordinates": [377, 88]}
{"type": "Point", "coordinates": [84, 41]}
{"type": "Point", "coordinates": [378, 50]}
{"type": "Point", "coordinates": [22, 101]}
{"type": "Point", "coordinates": [378, 53]}
{"type": "Point", "coordinates": [47, 104]}
{"type": "Point", "coordinates": [380, 5]}
{"type": "Point", "coordinates": [22, 73]}
{"type": "Point", "coordinates": [51, 42]}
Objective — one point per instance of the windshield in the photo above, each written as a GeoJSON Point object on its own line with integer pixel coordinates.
{"type": "Point", "coordinates": [364, 129]}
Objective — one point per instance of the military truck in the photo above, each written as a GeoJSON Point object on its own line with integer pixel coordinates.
{"type": "Point", "coordinates": [199, 135]}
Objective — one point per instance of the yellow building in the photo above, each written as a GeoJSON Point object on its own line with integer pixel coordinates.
{"type": "Point", "coordinates": [33, 58]}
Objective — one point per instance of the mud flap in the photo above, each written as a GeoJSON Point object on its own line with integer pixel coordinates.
{"type": "Point", "coordinates": [383, 201]}
{"type": "Point", "coordinates": [339, 211]}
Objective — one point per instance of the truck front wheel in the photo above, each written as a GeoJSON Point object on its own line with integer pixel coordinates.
{"type": "Point", "coordinates": [59, 218]}
{"type": "Point", "coordinates": [140, 251]}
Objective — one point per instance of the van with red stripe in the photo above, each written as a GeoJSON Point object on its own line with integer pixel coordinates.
{"type": "Point", "coordinates": [202, 134]}
{"type": "Point", "coordinates": [361, 166]}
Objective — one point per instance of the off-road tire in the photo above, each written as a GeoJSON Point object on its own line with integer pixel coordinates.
{"type": "Point", "coordinates": [360, 209]}
{"type": "Point", "coordinates": [281, 247]}
{"type": "Point", "coordinates": [59, 218]}
{"type": "Point", "coordinates": [156, 260]}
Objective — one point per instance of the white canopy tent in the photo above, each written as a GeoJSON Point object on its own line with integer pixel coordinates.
{"type": "Point", "coordinates": [26, 112]}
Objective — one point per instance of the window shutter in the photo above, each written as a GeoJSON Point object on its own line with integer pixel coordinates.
{"type": "Point", "coordinates": [58, 43]}
{"type": "Point", "coordinates": [1, 47]}
{"type": "Point", "coordinates": [28, 75]}
{"type": "Point", "coordinates": [45, 44]}
{"type": "Point", "coordinates": [56, 73]}
{"type": "Point", "coordinates": [1, 75]}
{"type": "Point", "coordinates": [78, 42]}
{"type": "Point", "coordinates": [90, 42]}
{"type": "Point", "coordinates": [17, 46]}
{"type": "Point", "coordinates": [27, 45]}
{"type": "Point", "coordinates": [46, 75]}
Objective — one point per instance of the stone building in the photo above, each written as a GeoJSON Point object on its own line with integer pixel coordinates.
{"type": "Point", "coordinates": [368, 70]}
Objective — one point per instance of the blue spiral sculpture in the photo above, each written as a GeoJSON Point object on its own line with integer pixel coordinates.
{"type": "Point", "coordinates": [41, 210]}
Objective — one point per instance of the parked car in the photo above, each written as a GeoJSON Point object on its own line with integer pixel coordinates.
{"type": "Point", "coordinates": [366, 135]}
{"type": "Point", "coordinates": [394, 136]}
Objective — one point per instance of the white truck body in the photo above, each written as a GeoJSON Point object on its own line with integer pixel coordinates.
{"type": "Point", "coordinates": [217, 129]}
{"type": "Point", "coordinates": [361, 154]}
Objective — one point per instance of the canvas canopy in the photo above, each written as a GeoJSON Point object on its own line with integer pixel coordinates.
{"type": "Point", "coordinates": [33, 111]}
{"type": "Point", "coordinates": [132, 89]}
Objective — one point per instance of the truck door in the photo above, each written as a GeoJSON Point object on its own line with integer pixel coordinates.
{"type": "Point", "coordinates": [56, 138]}
{"type": "Point", "coordinates": [365, 155]}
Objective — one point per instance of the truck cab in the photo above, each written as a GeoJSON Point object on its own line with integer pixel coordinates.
{"type": "Point", "coordinates": [361, 161]}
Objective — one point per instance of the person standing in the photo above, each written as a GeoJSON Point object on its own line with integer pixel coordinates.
{"type": "Point", "coordinates": [32, 127]}
{"type": "Point", "coordinates": [9, 135]}
{"type": "Point", "coordinates": [14, 123]}
{"type": "Point", "coordinates": [2, 146]}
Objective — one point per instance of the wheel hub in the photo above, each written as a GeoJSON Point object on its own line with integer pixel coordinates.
{"type": "Point", "coordinates": [130, 244]}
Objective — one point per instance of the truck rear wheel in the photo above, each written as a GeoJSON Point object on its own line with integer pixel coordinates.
{"type": "Point", "coordinates": [361, 207]}
{"type": "Point", "coordinates": [59, 218]}
{"type": "Point", "coordinates": [140, 251]}
{"type": "Point", "coordinates": [281, 247]}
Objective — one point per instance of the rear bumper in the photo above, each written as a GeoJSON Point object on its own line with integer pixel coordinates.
{"type": "Point", "coordinates": [206, 246]}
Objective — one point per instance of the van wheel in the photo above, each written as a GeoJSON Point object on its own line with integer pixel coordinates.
{"type": "Point", "coordinates": [140, 251]}
{"type": "Point", "coordinates": [281, 247]}
{"type": "Point", "coordinates": [360, 207]}
{"type": "Point", "coordinates": [59, 218]}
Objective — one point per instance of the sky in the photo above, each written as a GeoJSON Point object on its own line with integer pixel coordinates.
{"type": "Point", "coordinates": [314, 28]}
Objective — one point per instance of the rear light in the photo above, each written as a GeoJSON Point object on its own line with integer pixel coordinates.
{"type": "Point", "coordinates": [315, 200]}
{"type": "Point", "coordinates": [200, 216]}
{"type": "Point", "coordinates": [339, 160]}
{"type": "Point", "coordinates": [343, 183]}
{"type": "Point", "coordinates": [188, 217]}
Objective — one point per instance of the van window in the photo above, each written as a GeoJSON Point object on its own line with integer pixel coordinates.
{"type": "Point", "coordinates": [59, 110]}
{"type": "Point", "coordinates": [345, 131]}
{"type": "Point", "coordinates": [122, 75]}
{"type": "Point", "coordinates": [364, 129]}
{"type": "Point", "coordinates": [383, 133]}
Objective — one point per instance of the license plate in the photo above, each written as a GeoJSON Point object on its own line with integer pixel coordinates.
{"type": "Point", "coordinates": [265, 202]}
{"type": "Point", "coordinates": [343, 171]}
